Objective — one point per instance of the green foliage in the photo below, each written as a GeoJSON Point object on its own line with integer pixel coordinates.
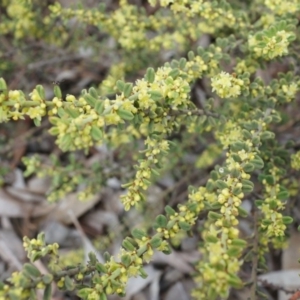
{"type": "Point", "coordinates": [242, 115]}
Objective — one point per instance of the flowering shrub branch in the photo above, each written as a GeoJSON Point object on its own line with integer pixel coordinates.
{"type": "Point", "coordinates": [241, 114]}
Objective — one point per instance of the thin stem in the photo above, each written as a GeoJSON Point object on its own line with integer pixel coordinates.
{"type": "Point", "coordinates": [255, 258]}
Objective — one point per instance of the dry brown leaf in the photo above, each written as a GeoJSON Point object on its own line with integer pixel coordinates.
{"type": "Point", "coordinates": [99, 218]}
{"type": "Point", "coordinates": [13, 206]}
{"type": "Point", "coordinates": [176, 260]}
{"type": "Point", "coordinates": [177, 292]}
{"type": "Point", "coordinates": [288, 279]}
{"type": "Point", "coordinates": [71, 203]}
{"type": "Point", "coordinates": [291, 254]}
{"type": "Point", "coordinates": [11, 249]}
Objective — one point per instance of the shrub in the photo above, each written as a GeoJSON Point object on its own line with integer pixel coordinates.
{"type": "Point", "coordinates": [238, 117]}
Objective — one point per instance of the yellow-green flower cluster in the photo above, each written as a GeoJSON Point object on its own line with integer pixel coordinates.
{"type": "Point", "coordinates": [222, 248]}
{"type": "Point", "coordinates": [108, 85]}
{"type": "Point", "coordinates": [24, 20]}
{"type": "Point", "coordinates": [37, 248]}
{"type": "Point", "coordinates": [290, 91]}
{"type": "Point", "coordinates": [22, 14]}
{"type": "Point", "coordinates": [246, 66]}
{"type": "Point", "coordinates": [295, 161]}
{"type": "Point", "coordinates": [274, 223]}
{"type": "Point", "coordinates": [127, 24]}
{"type": "Point", "coordinates": [226, 85]}
{"type": "Point", "coordinates": [272, 42]}
{"type": "Point", "coordinates": [279, 7]}
{"type": "Point", "coordinates": [215, 16]}
{"type": "Point", "coordinates": [145, 170]}
{"type": "Point", "coordinates": [14, 104]}
{"type": "Point", "coordinates": [79, 123]}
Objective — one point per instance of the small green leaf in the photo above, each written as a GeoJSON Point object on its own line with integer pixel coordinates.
{"type": "Point", "coordinates": [3, 85]}
{"type": "Point", "coordinates": [155, 95]}
{"type": "Point", "coordinates": [125, 114]}
{"type": "Point", "coordinates": [234, 251]}
{"type": "Point", "coordinates": [143, 273]}
{"type": "Point", "coordinates": [184, 226]}
{"type": "Point", "coordinates": [235, 281]}
{"type": "Point", "coordinates": [242, 212]}
{"type": "Point", "coordinates": [74, 113]}
{"type": "Point", "coordinates": [283, 195]}
{"type": "Point", "coordinates": [69, 284]}
{"type": "Point", "coordinates": [248, 168]}
{"type": "Point", "coordinates": [174, 73]}
{"type": "Point", "coordinates": [211, 238]}
{"type": "Point", "coordinates": [101, 268]}
{"type": "Point", "coordinates": [191, 55]}
{"type": "Point", "coordinates": [161, 221]}
{"type": "Point", "coordinates": [93, 92]}
{"type": "Point", "coordinates": [99, 107]}
{"type": "Point", "coordinates": [66, 142]}
{"type": "Point", "coordinates": [133, 97]}
{"type": "Point", "coordinates": [54, 120]}
{"type": "Point", "coordinates": [127, 89]}
{"type": "Point", "coordinates": [267, 222]}
{"type": "Point", "coordinates": [57, 92]}
{"type": "Point", "coordinates": [258, 163]}
{"type": "Point", "coordinates": [47, 292]}
{"type": "Point", "coordinates": [61, 112]}
{"type": "Point", "coordinates": [92, 258]}
{"type": "Point", "coordinates": [267, 135]}
{"type": "Point", "coordinates": [84, 293]}
{"type": "Point", "coordinates": [182, 63]}
{"type": "Point", "coordinates": [37, 122]}
{"type": "Point", "coordinates": [54, 131]}
{"type": "Point", "coordinates": [32, 295]}
{"type": "Point", "coordinates": [41, 91]}
{"type": "Point", "coordinates": [247, 182]}
{"type": "Point", "coordinates": [106, 256]}
{"type": "Point", "coordinates": [221, 184]}
{"type": "Point", "coordinates": [259, 203]}
{"type": "Point", "coordinates": [214, 175]}
{"type": "Point", "coordinates": [270, 179]}
{"type": "Point", "coordinates": [142, 250]}
{"type": "Point", "coordinates": [239, 243]}
{"type": "Point", "coordinates": [236, 191]}
{"type": "Point", "coordinates": [287, 220]}
{"type": "Point", "coordinates": [237, 146]}
{"type": "Point", "coordinates": [213, 216]}
{"type": "Point", "coordinates": [273, 204]}
{"type": "Point", "coordinates": [167, 250]}
{"type": "Point", "coordinates": [37, 255]}
{"type": "Point", "coordinates": [31, 271]}
{"type": "Point", "coordinates": [126, 260]}
{"type": "Point", "coordinates": [236, 157]}
{"type": "Point", "coordinates": [90, 100]}
{"type": "Point", "coordinates": [47, 279]}
{"type": "Point", "coordinates": [138, 233]}
{"type": "Point", "coordinates": [96, 133]}
{"type": "Point", "coordinates": [127, 245]}
{"type": "Point", "coordinates": [103, 296]}
{"type": "Point", "coordinates": [170, 211]}
{"type": "Point", "coordinates": [120, 85]}
{"type": "Point", "coordinates": [150, 75]}
{"type": "Point", "coordinates": [247, 188]}
{"type": "Point", "coordinates": [155, 242]}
